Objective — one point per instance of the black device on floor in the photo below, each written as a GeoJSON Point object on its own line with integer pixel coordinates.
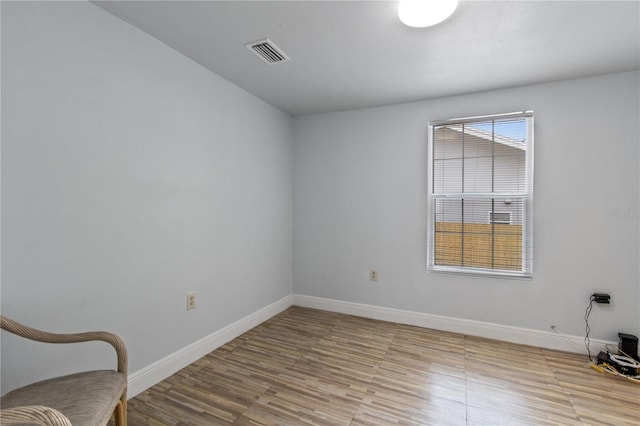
{"type": "Point", "coordinates": [628, 344]}
{"type": "Point", "coordinates": [621, 367]}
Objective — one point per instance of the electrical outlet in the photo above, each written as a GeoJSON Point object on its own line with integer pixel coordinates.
{"type": "Point", "coordinates": [601, 298]}
{"type": "Point", "coordinates": [191, 300]}
{"type": "Point", "coordinates": [373, 275]}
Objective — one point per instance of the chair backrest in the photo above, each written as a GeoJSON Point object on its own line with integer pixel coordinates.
{"type": "Point", "coordinates": [27, 332]}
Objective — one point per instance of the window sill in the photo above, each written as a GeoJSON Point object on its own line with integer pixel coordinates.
{"type": "Point", "coordinates": [479, 272]}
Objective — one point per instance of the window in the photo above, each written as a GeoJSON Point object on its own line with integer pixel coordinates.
{"type": "Point", "coordinates": [481, 195]}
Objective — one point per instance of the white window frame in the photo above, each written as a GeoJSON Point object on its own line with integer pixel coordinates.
{"type": "Point", "coordinates": [526, 196]}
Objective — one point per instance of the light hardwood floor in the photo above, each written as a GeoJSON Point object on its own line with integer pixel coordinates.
{"type": "Point", "coordinates": [306, 366]}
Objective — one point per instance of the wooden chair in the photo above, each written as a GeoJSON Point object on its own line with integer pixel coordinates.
{"type": "Point", "coordinates": [81, 399]}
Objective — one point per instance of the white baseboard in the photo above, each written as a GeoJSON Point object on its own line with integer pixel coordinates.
{"type": "Point", "coordinates": [148, 376]}
{"type": "Point", "coordinates": [525, 336]}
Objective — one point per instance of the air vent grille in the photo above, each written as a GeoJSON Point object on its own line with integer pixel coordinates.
{"type": "Point", "coordinates": [268, 52]}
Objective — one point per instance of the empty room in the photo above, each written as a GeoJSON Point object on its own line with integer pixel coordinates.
{"type": "Point", "coordinates": [320, 212]}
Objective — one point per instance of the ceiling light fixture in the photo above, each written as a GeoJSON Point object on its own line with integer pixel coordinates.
{"type": "Point", "coordinates": [425, 13]}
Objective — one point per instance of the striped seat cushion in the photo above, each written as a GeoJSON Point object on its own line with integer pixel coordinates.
{"type": "Point", "coordinates": [86, 399]}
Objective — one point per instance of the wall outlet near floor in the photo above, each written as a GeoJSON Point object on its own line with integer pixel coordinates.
{"type": "Point", "coordinates": [601, 297]}
{"type": "Point", "coordinates": [191, 300]}
{"type": "Point", "coordinates": [373, 275]}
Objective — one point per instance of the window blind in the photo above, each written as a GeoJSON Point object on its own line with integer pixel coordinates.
{"type": "Point", "coordinates": [481, 195]}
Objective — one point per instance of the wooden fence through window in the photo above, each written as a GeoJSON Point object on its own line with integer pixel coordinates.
{"type": "Point", "coordinates": [481, 245]}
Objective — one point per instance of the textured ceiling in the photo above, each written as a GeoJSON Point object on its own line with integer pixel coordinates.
{"type": "Point", "coordinates": [354, 54]}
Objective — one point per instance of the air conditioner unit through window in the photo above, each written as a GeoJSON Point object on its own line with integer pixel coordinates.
{"type": "Point", "coordinates": [500, 217]}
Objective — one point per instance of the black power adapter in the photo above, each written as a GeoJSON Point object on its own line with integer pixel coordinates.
{"type": "Point", "coordinates": [628, 345]}
{"type": "Point", "coordinates": [601, 298]}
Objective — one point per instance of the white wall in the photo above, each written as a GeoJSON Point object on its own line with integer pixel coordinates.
{"type": "Point", "coordinates": [131, 176]}
{"type": "Point", "coordinates": [360, 202]}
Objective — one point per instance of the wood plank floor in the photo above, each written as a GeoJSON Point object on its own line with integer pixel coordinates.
{"type": "Point", "coordinates": [306, 366]}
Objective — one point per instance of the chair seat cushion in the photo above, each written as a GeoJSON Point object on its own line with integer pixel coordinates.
{"type": "Point", "coordinates": [86, 399]}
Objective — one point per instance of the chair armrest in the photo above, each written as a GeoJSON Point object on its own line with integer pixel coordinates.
{"type": "Point", "coordinates": [33, 414]}
{"type": "Point", "coordinates": [46, 337]}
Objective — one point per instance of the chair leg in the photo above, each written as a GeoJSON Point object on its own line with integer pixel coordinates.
{"type": "Point", "coordinates": [120, 413]}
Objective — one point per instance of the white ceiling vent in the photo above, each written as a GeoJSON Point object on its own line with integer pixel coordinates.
{"type": "Point", "coordinates": [268, 52]}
